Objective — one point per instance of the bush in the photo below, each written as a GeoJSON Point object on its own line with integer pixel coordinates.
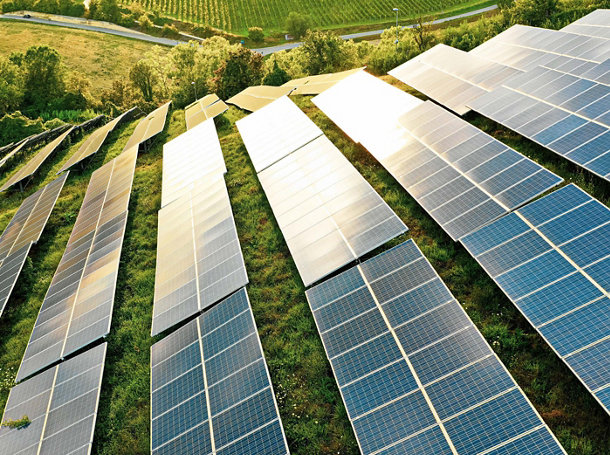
{"type": "Point", "coordinates": [19, 423]}
{"type": "Point", "coordinates": [256, 34]}
{"type": "Point", "coordinates": [297, 24]}
{"type": "Point", "coordinates": [145, 22]}
{"type": "Point", "coordinates": [170, 31]}
{"type": "Point", "coordinates": [16, 126]}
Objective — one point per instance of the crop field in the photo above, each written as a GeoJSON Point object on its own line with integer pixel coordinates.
{"type": "Point", "coordinates": [237, 15]}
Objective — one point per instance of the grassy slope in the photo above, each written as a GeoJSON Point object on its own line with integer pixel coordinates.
{"type": "Point", "coordinates": [100, 57]}
{"type": "Point", "coordinates": [311, 409]}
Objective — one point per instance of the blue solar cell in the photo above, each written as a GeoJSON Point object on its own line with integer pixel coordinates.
{"type": "Point", "coordinates": [535, 274]}
{"type": "Point", "coordinates": [402, 280]}
{"type": "Point", "coordinates": [492, 235]}
{"type": "Point", "coordinates": [487, 151]}
{"type": "Point", "coordinates": [592, 322]}
{"type": "Point", "coordinates": [429, 442]}
{"type": "Point", "coordinates": [237, 356]}
{"type": "Point", "coordinates": [194, 442]}
{"type": "Point", "coordinates": [468, 387]}
{"type": "Point", "coordinates": [537, 183]}
{"type": "Point", "coordinates": [176, 365]}
{"type": "Point", "coordinates": [334, 288]}
{"type": "Point", "coordinates": [591, 150]}
{"type": "Point", "coordinates": [592, 364]}
{"type": "Point", "coordinates": [232, 306]}
{"type": "Point", "coordinates": [559, 129]}
{"type": "Point", "coordinates": [497, 164]}
{"type": "Point", "coordinates": [539, 442]}
{"type": "Point", "coordinates": [577, 137]}
{"type": "Point", "coordinates": [600, 272]}
{"type": "Point", "coordinates": [391, 423]}
{"type": "Point", "coordinates": [179, 419]}
{"type": "Point", "coordinates": [604, 397]}
{"type": "Point", "coordinates": [601, 165]}
{"type": "Point", "coordinates": [228, 334]}
{"type": "Point", "coordinates": [576, 222]}
{"type": "Point", "coordinates": [595, 109]}
{"type": "Point", "coordinates": [389, 260]}
{"type": "Point", "coordinates": [238, 386]}
{"type": "Point", "coordinates": [268, 440]}
{"type": "Point", "coordinates": [566, 294]}
{"type": "Point", "coordinates": [178, 390]}
{"type": "Point", "coordinates": [378, 388]}
{"type": "Point", "coordinates": [510, 176]}
{"type": "Point", "coordinates": [590, 247]}
{"type": "Point", "coordinates": [554, 204]}
{"type": "Point", "coordinates": [492, 423]}
{"type": "Point", "coordinates": [354, 332]}
{"type": "Point", "coordinates": [344, 308]}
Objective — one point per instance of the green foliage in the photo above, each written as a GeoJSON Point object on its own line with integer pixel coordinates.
{"type": "Point", "coordinates": [43, 76]}
{"type": "Point", "coordinates": [242, 69]}
{"type": "Point", "coordinates": [203, 31]}
{"type": "Point", "coordinates": [276, 77]}
{"type": "Point", "coordinates": [469, 35]}
{"type": "Point", "coordinates": [15, 126]}
{"type": "Point", "coordinates": [145, 22]}
{"type": "Point", "coordinates": [18, 423]}
{"type": "Point", "coordinates": [144, 78]}
{"type": "Point", "coordinates": [297, 24]}
{"type": "Point", "coordinates": [11, 86]}
{"type": "Point", "coordinates": [256, 34]}
{"type": "Point", "coordinates": [422, 35]}
{"type": "Point", "coordinates": [533, 12]}
{"type": "Point", "coordinates": [104, 10]}
{"type": "Point", "coordinates": [326, 52]}
{"type": "Point", "coordinates": [170, 31]}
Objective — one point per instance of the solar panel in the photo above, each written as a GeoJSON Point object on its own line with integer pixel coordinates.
{"type": "Point", "coordinates": [203, 109]}
{"type": "Point", "coordinates": [255, 97]}
{"type": "Point", "coordinates": [314, 85]}
{"type": "Point", "coordinates": [199, 260]}
{"type": "Point", "coordinates": [552, 258]}
{"type": "Point", "coordinates": [25, 229]}
{"type": "Point", "coordinates": [77, 308]}
{"type": "Point", "coordinates": [452, 77]}
{"type": "Point", "coordinates": [61, 404]}
{"type": "Point", "coordinates": [190, 157]}
{"type": "Point", "coordinates": [567, 114]}
{"type": "Point", "coordinates": [210, 387]}
{"type": "Point", "coordinates": [149, 126]}
{"type": "Point", "coordinates": [415, 374]}
{"type": "Point", "coordinates": [94, 142]}
{"type": "Point", "coordinates": [461, 176]}
{"type": "Point", "coordinates": [275, 131]}
{"type": "Point", "coordinates": [32, 166]}
{"type": "Point", "coordinates": [328, 213]}
{"type": "Point", "coordinates": [595, 24]}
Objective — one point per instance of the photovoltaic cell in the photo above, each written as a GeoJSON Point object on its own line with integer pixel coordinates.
{"type": "Point", "coordinates": [415, 374]}
{"type": "Point", "coordinates": [25, 229]}
{"type": "Point", "coordinates": [210, 388]}
{"type": "Point", "coordinates": [188, 158]}
{"type": "Point", "coordinates": [77, 309]}
{"type": "Point", "coordinates": [275, 131]}
{"type": "Point", "coordinates": [314, 85]}
{"type": "Point", "coordinates": [257, 96]}
{"type": "Point", "coordinates": [328, 213]}
{"type": "Point", "coordinates": [596, 23]}
{"type": "Point", "coordinates": [204, 109]}
{"type": "Point", "coordinates": [149, 126]}
{"type": "Point", "coordinates": [199, 259]}
{"type": "Point", "coordinates": [61, 404]}
{"type": "Point", "coordinates": [547, 258]}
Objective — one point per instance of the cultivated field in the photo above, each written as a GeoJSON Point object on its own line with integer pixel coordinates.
{"type": "Point", "coordinates": [237, 16]}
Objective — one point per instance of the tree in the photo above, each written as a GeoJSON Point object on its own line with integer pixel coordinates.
{"type": "Point", "coordinates": [277, 76]}
{"type": "Point", "coordinates": [144, 78]}
{"type": "Point", "coordinates": [297, 24]}
{"type": "Point", "coordinates": [44, 76]}
{"type": "Point", "coordinates": [256, 34]}
{"type": "Point", "coordinates": [533, 12]}
{"type": "Point", "coordinates": [422, 35]}
{"type": "Point", "coordinates": [242, 69]}
{"type": "Point", "coordinates": [325, 52]}
{"type": "Point", "coordinates": [105, 10]}
{"type": "Point", "coordinates": [11, 86]}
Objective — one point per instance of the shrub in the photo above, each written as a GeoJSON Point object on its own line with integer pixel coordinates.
{"type": "Point", "coordinates": [19, 423]}
{"type": "Point", "coordinates": [297, 24]}
{"type": "Point", "coordinates": [170, 31]}
{"type": "Point", "coordinates": [256, 34]}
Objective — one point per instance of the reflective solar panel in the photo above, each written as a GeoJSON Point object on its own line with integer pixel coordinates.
{"type": "Point", "coordinates": [415, 374]}
{"type": "Point", "coordinates": [149, 126]}
{"type": "Point", "coordinates": [275, 131]}
{"type": "Point", "coordinates": [77, 308]}
{"type": "Point", "coordinates": [94, 142]}
{"type": "Point", "coordinates": [32, 166]}
{"type": "Point", "coordinates": [199, 259]}
{"type": "Point", "coordinates": [314, 85]}
{"type": "Point", "coordinates": [551, 258]}
{"type": "Point", "coordinates": [190, 157]}
{"type": "Point", "coordinates": [257, 96]}
{"type": "Point", "coordinates": [25, 229]}
{"type": "Point", "coordinates": [596, 24]}
{"type": "Point", "coordinates": [61, 404]}
{"type": "Point", "coordinates": [328, 213]}
{"type": "Point", "coordinates": [203, 109]}
{"type": "Point", "coordinates": [210, 387]}
{"type": "Point", "coordinates": [461, 176]}
{"type": "Point", "coordinates": [452, 77]}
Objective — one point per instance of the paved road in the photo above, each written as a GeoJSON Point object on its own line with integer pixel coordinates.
{"type": "Point", "coordinates": [169, 42]}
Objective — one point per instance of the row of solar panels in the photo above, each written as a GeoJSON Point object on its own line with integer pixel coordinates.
{"type": "Point", "coordinates": [61, 402]}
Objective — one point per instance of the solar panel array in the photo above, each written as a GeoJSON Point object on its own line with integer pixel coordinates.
{"type": "Point", "coordinates": [314, 85]}
{"type": "Point", "coordinates": [596, 24]}
{"type": "Point", "coordinates": [275, 131]}
{"type": "Point", "coordinates": [32, 166]}
{"type": "Point", "coordinates": [25, 229]}
{"type": "Point", "coordinates": [257, 96]}
{"type": "Point", "coordinates": [77, 309]}
{"type": "Point", "coordinates": [552, 259]}
{"type": "Point", "coordinates": [415, 374]}
{"type": "Point", "coordinates": [461, 176]}
{"type": "Point", "coordinates": [567, 114]}
{"type": "Point", "coordinates": [94, 142]}
{"type": "Point", "coordinates": [452, 77]}
{"type": "Point", "coordinates": [149, 126]}
{"type": "Point", "coordinates": [61, 404]}
{"type": "Point", "coordinates": [204, 109]}
{"type": "Point", "coordinates": [210, 387]}
{"type": "Point", "coordinates": [190, 157]}
{"type": "Point", "coordinates": [199, 259]}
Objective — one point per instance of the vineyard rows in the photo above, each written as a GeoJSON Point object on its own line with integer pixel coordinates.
{"type": "Point", "coordinates": [238, 15]}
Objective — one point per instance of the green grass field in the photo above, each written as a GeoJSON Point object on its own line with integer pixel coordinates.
{"type": "Point", "coordinates": [310, 406]}
{"type": "Point", "coordinates": [237, 16]}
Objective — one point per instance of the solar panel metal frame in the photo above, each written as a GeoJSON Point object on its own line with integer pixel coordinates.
{"type": "Point", "coordinates": [149, 126]}
{"type": "Point", "coordinates": [518, 220]}
{"type": "Point", "coordinates": [204, 109]}
{"type": "Point", "coordinates": [256, 97]}
{"type": "Point", "coordinates": [391, 315]}
{"type": "Point", "coordinates": [215, 322]}
{"type": "Point", "coordinates": [96, 238]}
{"type": "Point", "coordinates": [52, 416]}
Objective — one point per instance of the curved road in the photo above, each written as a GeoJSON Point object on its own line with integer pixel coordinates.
{"type": "Point", "coordinates": [127, 33]}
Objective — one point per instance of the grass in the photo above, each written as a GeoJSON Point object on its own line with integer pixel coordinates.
{"type": "Point", "coordinates": [102, 58]}
{"type": "Point", "coordinates": [271, 14]}
{"type": "Point", "coordinates": [310, 406]}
